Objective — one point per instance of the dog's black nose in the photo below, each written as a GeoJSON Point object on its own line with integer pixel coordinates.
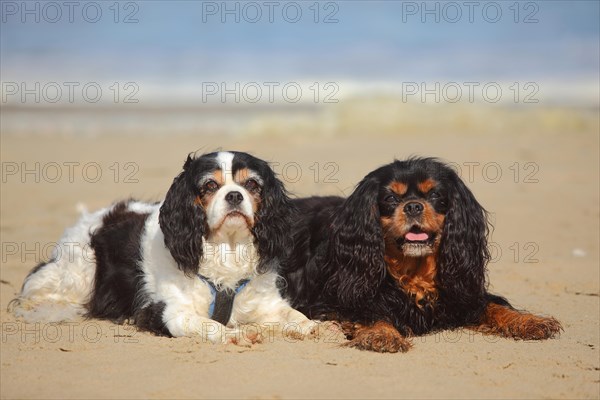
{"type": "Point", "coordinates": [234, 198]}
{"type": "Point", "coordinates": [413, 209]}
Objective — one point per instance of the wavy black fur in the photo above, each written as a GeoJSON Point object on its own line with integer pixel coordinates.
{"type": "Point", "coordinates": [337, 269]}
{"type": "Point", "coordinates": [182, 219]}
{"type": "Point", "coordinates": [273, 219]}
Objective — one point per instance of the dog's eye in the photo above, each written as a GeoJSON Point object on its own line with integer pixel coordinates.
{"type": "Point", "coordinates": [433, 195]}
{"type": "Point", "coordinates": [391, 198]}
{"type": "Point", "coordinates": [251, 185]}
{"type": "Point", "coordinates": [211, 186]}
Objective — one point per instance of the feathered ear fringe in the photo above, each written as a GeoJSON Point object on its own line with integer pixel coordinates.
{"type": "Point", "coordinates": [356, 247]}
{"type": "Point", "coordinates": [183, 222]}
{"type": "Point", "coordinates": [272, 230]}
{"type": "Point", "coordinates": [464, 252]}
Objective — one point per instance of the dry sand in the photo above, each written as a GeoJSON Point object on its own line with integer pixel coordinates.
{"type": "Point", "coordinates": [554, 221]}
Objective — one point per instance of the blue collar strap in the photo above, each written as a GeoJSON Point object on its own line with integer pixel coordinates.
{"type": "Point", "coordinates": [222, 300]}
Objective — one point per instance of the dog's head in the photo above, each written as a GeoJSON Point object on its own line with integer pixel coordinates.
{"type": "Point", "coordinates": [225, 196]}
{"type": "Point", "coordinates": [408, 210]}
{"type": "Point", "coordinates": [413, 201]}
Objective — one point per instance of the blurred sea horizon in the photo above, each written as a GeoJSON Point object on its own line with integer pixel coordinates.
{"type": "Point", "coordinates": [233, 66]}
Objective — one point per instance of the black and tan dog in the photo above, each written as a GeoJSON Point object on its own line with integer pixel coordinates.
{"type": "Point", "coordinates": [404, 255]}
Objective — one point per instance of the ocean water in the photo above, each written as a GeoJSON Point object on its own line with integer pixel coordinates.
{"type": "Point", "coordinates": [198, 56]}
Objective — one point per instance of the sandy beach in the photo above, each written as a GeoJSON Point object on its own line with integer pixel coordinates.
{"type": "Point", "coordinates": [540, 185]}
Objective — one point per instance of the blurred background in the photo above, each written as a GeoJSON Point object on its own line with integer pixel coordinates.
{"type": "Point", "coordinates": [288, 68]}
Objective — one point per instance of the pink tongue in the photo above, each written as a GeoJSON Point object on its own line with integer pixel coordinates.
{"type": "Point", "coordinates": [416, 237]}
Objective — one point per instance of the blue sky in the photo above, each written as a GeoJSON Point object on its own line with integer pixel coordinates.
{"type": "Point", "coordinates": [371, 41]}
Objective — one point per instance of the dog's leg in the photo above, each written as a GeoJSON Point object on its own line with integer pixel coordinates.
{"type": "Point", "coordinates": [58, 290]}
{"type": "Point", "coordinates": [184, 321]}
{"type": "Point", "coordinates": [503, 320]}
{"type": "Point", "coordinates": [55, 291]}
{"type": "Point", "coordinates": [261, 303]}
{"type": "Point", "coordinates": [295, 324]}
{"type": "Point", "coordinates": [279, 316]}
{"type": "Point", "coordinates": [381, 337]}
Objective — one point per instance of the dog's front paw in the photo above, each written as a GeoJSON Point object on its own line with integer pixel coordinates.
{"type": "Point", "coordinates": [381, 337]}
{"type": "Point", "coordinates": [533, 327]}
{"type": "Point", "coordinates": [300, 331]}
{"type": "Point", "coordinates": [243, 337]}
{"type": "Point", "coordinates": [507, 322]}
{"type": "Point", "coordinates": [328, 331]}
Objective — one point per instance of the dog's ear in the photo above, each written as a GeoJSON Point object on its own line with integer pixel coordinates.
{"type": "Point", "coordinates": [463, 253]}
{"type": "Point", "coordinates": [182, 220]}
{"type": "Point", "coordinates": [356, 247]}
{"type": "Point", "coordinates": [272, 228]}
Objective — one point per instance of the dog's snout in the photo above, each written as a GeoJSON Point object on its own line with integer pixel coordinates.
{"type": "Point", "coordinates": [234, 198]}
{"type": "Point", "coordinates": [413, 209]}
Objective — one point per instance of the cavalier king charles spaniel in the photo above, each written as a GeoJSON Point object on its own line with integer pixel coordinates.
{"type": "Point", "coordinates": [204, 259]}
{"type": "Point", "coordinates": [404, 255]}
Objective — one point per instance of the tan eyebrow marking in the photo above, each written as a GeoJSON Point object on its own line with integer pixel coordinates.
{"type": "Point", "coordinates": [219, 178]}
{"type": "Point", "coordinates": [241, 175]}
{"type": "Point", "coordinates": [427, 185]}
{"type": "Point", "coordinates": [398, 187]}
